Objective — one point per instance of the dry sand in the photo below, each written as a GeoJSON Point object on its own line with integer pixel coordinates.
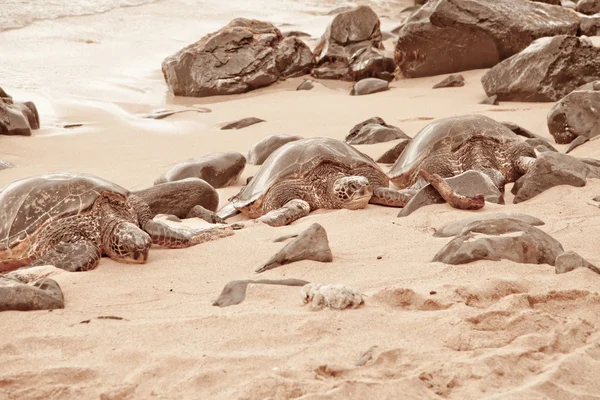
{"type": "Point", "coordinates": [486, 330]}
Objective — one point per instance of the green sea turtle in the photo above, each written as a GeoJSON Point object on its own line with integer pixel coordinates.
{"type": "Point", "coordinates": [450, 146]}
{"type": "Point", "coordinates": [69, 220]}
{"type": "Point", "coordinates": [309, 174]}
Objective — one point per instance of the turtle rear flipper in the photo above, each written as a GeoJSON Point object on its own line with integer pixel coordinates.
{"type": "Point", "coordinates": [291, 211]}
{"type": "Point", "coordinates": [72, 257]}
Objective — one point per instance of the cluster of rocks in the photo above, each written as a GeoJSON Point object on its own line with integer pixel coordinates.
{"type": "Point", "coordinates": [17, 118]}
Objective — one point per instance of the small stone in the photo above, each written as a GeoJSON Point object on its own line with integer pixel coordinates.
{"type": "Point", "coordinates": [451, 81]}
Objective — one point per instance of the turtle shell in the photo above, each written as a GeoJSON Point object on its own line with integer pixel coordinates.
{"type": "Point", "coordinates": [28, 204]}
{"type": "Point", "coordinates": [447, 135]}
{"type": "Point", "coordinates": [296, 159]}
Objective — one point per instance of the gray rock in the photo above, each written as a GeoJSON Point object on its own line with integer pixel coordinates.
{"type": "Point", "coordinates": [469, 183]}
{"type": "Point", "coordinates": [234, 292]}
{"type": "Point", "coordinates": [390, 156]}
{"type": "Point", "coordinates": [569, 260]}
{"type": "Point", "coordinates": [179, 197]}
{"type": "Point", "coordinates": [207, 215]}
{"type": "Point", "coordinates": [589, 25]}
{"type": "Point", "coordinates": [447, 36]}
{"type": "Point", "coordinates": [568, 4]}
{"type": "Point", "coordinates": [492, 100]}
{"type": "Point", "coordinates": [306, 85]}
{"type": "Point", "coordinates": [242, 56]}
{"type": "Point", "coordinates": [356, 128]}
{"type": "Point", "coordinates": [547, 70]}
{"type": "Point", "coordinates": [369, 86]}
{"type": "Point", "coordinates": [312, 244]}
{"type": "Point", "coordinates": [349, 48]}
{"type": "Point", "coordinates": [218, 169]}
{"type": "Point", "coordinates": [451, 81]}
{"type": "Point", "coordinates": [579, 140]}
{"type": "Point", "coordinates": [588, 7]}
{"type": "Point", "coordinates": [263, 149]}
{"type": "Point", "coordinates": [17, 118]}
{"type": "Point", "coordinates": [519, 130]}
{"type": "Point", "coordinates": [553, 169]}
{"type": "Point", "coordinates": [44, 294]}
{"type": "Point", "coordinates": [576, 114]}
{"type": "Point", "coordinates": [541, 145]}
{"type": "Point", "coordinates": [242, 123]}
{"type": "Point", "coordinates": [501, 239]}
{"type": "Point", "coordinates": [467, 224]}
{"type": "Point", "coordinates": [375, 133]}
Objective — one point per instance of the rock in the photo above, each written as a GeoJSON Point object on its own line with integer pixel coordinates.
{"type": "Point", "coordinates": [44, 294]}
{"type": "Point", "coordinates": [492, 100]}
{"type": "Point", "coordinates": [451, 81]}
{"type": "Point", "coordinates": [356, 129]}
{"type": "Point", "coordinates": [447, 36]}
{"type": "Point", "coordinates": [312, 244]}
{"type": "Point", "coordinates": [553, 2]}
{"type": "Point", "coordinates": [306, 85]}
{"type": "Point", "coordinates": [32, 274]}
{"type": "Point", "coordinates": [390, 156]}
{"type": "Point", "coordinates": [369, 86]}
{"type": "Point", "coordinates": [338, 10]}
{"type": "Point", "coordinates": [579, 140]}
{"type": "Point", "coordinates": [575, 115]}
{"type": "Point", "coordinates": [501, 239]}
{"type": "Point", "coordinates": [179, 197]}
{"type": "Point", "coordinates": [162, 114]}
{"type": "Point", "coordinates": [337, 297]}
{"type": "Point", "coordinates": [349, 48]}
{"type": "Point", "coordinates": [263, 149]}
{"type": "Point", "coordinates": [540, 145]}
{"type": "Point", "coordinates": [569, 260]}
{"type": "Point", "coordinates": [547, 70]}
{"type": "Point", "coordinates": [207, 215]}
{"type": "Point", "coordinates": [589, 25]}
{"type": "Point", "coordinates": [588, 7]}
{"type": "Point", "coordinates": [242, 123]}
{"type": "Point", "coordinates": [244, 55]}
{"type": "Point", "coordinates": [18, 118]}
{"type": "Point", "coordinates": [469, 183]}
{"type": "Point", "coordinates": [466, 224]}
{"type": "Point", "coordinates": [218, 169]}
{"type": "Point", "coordinates": [234, 292]}
{"type": "Point", "coordinates": [553, 169]}
{"type": "Point", "coordinates": [295, 34]}
{"type": "Point", "coordinates": [374, 133]}
{"type": "Point", "coordinates": [5, 165]}
{"type": "Point", "coordinates": [519, 130]}
{"type": "Point", "coordinates": [568, 4]}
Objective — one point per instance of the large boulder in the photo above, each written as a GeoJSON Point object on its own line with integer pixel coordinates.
{"type": "Point", "coordinates": [547, 70]}
{"type": "Point", "coordinates": [350, 48]}
{"type": "Point", "coordinates": [447, 36]}
{"type": "Point", "coordinates": [576, 114]}
{"type": "Point", "coordinates": [588, 7]}
{"type": "Point", "coordinates": [244, 55]}
{"type": "Point", "coordinates": [17, 118]}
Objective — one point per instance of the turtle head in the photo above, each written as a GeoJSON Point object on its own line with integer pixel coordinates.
{"type": "Point", "coordinates": [128, 244]}
{"type": "Point", "coordinates": [352, 192]}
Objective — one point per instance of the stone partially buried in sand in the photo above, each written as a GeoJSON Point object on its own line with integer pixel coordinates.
{"type": "Point", "coordinates": [588, 7]}
{"type": "Point", "coordinates": [242, 123]}
{"type": "Point", "coordinates": [333, 296]}
{"type": "Point", "coordinates": [257, 55]}
{"type": "Point", "coordinates": [179, 197]}
{"type": "Point", "coordinates": [18, 118]}
{"type": "Point", "coordinates": [590, 25]}
{"type": "Point", "coordinates": [569, 260]}
{"type": "Point", "coordinates": [218, 169]}
{"type": "Point", "coordinates": [575, 115]}
{"type": "Point", "coordinates": [369, 86]}
{"type": "Point", "coordinates": [447, 36]}
{"type": "Point", "coordinates": [263, 149]}
{"type": "Point", "coordinates": [44, 294]}
{"type": "Point", "coordinates": [451, 81]}
{"type": "Point", "coordinates": [234, 292]}
{"type": "Point", "coordinates": [547, 70]}
{"type": "Point", "coordinates": [375, 133]}
{"type": "Point", "coordinates": [466, 224]}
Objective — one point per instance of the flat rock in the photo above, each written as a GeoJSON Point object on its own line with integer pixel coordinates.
{"type": "Point", "coordinates": [447, 36]}
{"type": "Point", "coordinates": [312, 244]}
{"type": "Point", "coordinates": [501, 239]}
{"type": "Point", "coordinates": [546, 70]}
{"type": "Point", "coordinates": [256, 55]}
{"type": "Point", "coordinates": [575, 115]}
{"type": "Point", "coordinates": [451, 81]}
{"type": "Point", "coordinates": [569, 260]}
{"type": "Point", "coordinates": [390, 156]}
{"type": "Point", "coordinates": [588, 7]}
{"type": "Point", "coordinates": [218, 169]}
{"type": "Point", "coordinates": [179, 197]}
{"type": "Point", "coordinates": [31, 274]}
{"type": "Point", "coordinates": [375, 133]}
{"type": "Point", "coordinates": [589, 25]}
{"type": "Point", "coordinates": [492, 100]}
{"type": "Point", "coordinates": [467, 224]}
{"type": "Point", "coordinates": [242, 123]}
{"type": "Point", "coordinates": [469, 183]}
{"type": "Point", "coordinates": [553, 169]}
{"type": "Point", "coordinates": [263, 149]}
{"type": "Point", "coordinates": [369, 86]}
{"type": "Point", "coordinates": [350, 48]}
{"type": "Point", "coordinates": [44, 294]}
{"type": "Point", "coordinates": [306, 85]}
{"type": "Point", "coordinates": [540, 145]}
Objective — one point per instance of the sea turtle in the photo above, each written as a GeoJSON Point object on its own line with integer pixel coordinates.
{"type": "Point", "coordinates": [69, 220]}
{"type": "Point", "coordinates": [309, 174]}
{"type": "Point", "coordinates": [453, 145]}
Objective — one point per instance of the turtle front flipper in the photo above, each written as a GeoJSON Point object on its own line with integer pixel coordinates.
{"type": "Point", "coordinates": [392, 197]}
{"type": "Point", "coordinates": [291, 211]}
{"type": "Point", "coordinates": [227, 211]}
{"type": "Point", "coordinates": [165, 236]}
{"type": "Point", "coordinates": [454, 199]}
{"type": "Point", "coordinates": [72, 257]}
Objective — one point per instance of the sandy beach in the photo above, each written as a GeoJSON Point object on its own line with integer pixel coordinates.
{"type": "Point", "coordinates": [483, 330]}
